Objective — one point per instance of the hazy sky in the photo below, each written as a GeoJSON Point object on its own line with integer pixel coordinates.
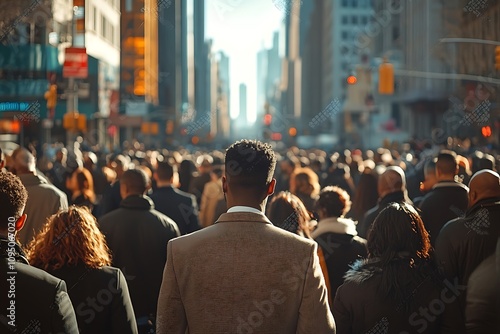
{"type": "Point", "coordinates": [240, 28]}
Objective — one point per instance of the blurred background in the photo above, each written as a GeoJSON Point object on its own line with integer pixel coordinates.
{"type": "Point", "coordinates": [329, 74]}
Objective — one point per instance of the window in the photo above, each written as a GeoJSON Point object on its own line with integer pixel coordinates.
{"type": "Point", "coordinates": [103, 26]}
{"type": "Point", "coordinates": [354, 20]}
{"type": "Point", "coordinates": [345, 3]}
{"type": "Point", "coordinates": [94, 18]}
{"type": "Point", "coordinates": [364, 20]}
{"type": "Point", "coordinates": [345, 19]}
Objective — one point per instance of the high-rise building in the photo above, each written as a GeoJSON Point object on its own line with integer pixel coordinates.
{"type": "Point", "coordinates": [242, 116]}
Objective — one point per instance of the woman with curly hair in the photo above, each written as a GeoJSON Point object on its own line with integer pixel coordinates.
{"type": "Point", "coordinates": [397, 289]}
{"type": "Point", "coordinates": [72, 248]}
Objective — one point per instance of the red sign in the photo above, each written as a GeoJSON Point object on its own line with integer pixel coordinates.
{"type": "Point", "coordinates": [75, 63]}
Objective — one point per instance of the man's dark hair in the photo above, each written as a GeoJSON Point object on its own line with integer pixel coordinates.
{"type": "Point", "coordinates": [165, 170]}
{"type": "Point", "coordinates": [1, 155]}
{"type": "Point", "coordinates": [13, 197]}
{"type": "Point", "coordinates": [136, 180]}
{"type": "Point", "coordinates": [486, 162]}
{"type": "Point", "coordinates": [447, 162]}
{"type": "Point", "coordinates": [250, 163]}
{"type": "Point", "coordinates": [334, 200]}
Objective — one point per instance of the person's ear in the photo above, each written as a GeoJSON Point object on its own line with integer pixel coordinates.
{"type": "Point", "coordinates": [271, 187]}
{"type": "Point", "coordinates": [224, 184]}
{"type": "Point", "coordinates": [472, 197]}
{"type": "Point", "coordinates": [20, 222]}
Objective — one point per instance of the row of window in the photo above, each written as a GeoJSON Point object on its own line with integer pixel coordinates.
{"type": "Point", "coordinates": [363, 20]}
{"type": "Point", "coordinates": [98, 23]}
{"type": "Point", "coordinates": [357, 3]}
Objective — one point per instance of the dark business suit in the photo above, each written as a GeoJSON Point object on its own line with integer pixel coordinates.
{"type": "Point", "coordinates": [41, 302]}
{"type": "Point", "coordinates": [137, 236]}
{"type": "Point", "coordinates": [100, 298]}
{"type": "Point", "coordinates": [178, 205]}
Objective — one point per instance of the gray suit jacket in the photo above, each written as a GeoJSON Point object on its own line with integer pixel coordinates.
{"type": "Point", "coordinates": [44, 200]}
{"type": "Point", "coordinates": [243, 275]}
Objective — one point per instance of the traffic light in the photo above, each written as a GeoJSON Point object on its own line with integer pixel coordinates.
{"type": "Point", "coordinates": [51, 97]}
{"type": "Point", "coordinates": [74, 122]}
{"type": "Point", "coordinates": [497, 57]}
{"type": "Point", "coordinates": [386, 78]}
{"type": "Point", "coordinates": [268, 119]}
{"type": "Point", "coordinates": [351, 80]}
{"type": "Point", "coordinates": [486, 131]}
{"type": "Point", "coordinates": [292, 132]}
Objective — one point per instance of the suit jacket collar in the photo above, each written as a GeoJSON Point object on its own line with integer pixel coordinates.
{"type": "Point", "coordinates": [243, 217]}
{"type": "Point", "coordinates": [137, 202]}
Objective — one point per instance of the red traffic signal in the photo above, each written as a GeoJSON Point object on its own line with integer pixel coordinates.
{"type": "Point", "coordinates": [351, 80]}
{"type": "Point", "coordinates": [486, 131]}
{"type": "Point", "coordinates": [268, 119]}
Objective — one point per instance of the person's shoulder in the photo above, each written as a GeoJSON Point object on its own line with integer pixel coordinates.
{"type": "Point", "coordinates": [35, 276]}
{"type": "Point", "coordinates": [184, 195]}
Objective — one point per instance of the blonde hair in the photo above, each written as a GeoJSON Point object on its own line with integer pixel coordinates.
{"type": "Point", "coordinates": [68, 238]}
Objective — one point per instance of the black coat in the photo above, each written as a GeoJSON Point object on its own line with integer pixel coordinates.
{"type": "Point", "coordinates": [430, 306]}
{"type": "Point", "coordinates": [464, 243]}
{"type": "Point", "coordinates": [137, 236]}
{"type": "Point", "coordinates": [446, 201]}
{"type": "Point", "coordinates": [340, 250]}
{"type": "Point", "coordinates": [41, 302]}
{"type": "Point", "coordinates": [100, 298]}
{"type": "Point", "coordinates": [180, 206]}
{"type": "Point", "coordinates": [364, 226]}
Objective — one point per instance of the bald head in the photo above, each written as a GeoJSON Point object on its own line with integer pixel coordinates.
{"type": "Point", "coordinates": [24, 162]}
{"type": "Point", "coordinates": [484, 184]}
{"type": "Point", "coordinates": [392, 180]}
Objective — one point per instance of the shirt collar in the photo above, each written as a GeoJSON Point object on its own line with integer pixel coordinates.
{"type": "Point", "coordinates": [243, 208]}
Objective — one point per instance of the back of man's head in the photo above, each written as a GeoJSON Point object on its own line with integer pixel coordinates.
{"type": "Point", "coordinates": [250, 164]}
{"type": "Point", "coordinates": [446, 164]}
{"type": "Point", "coordinates": [13, 197]}
{"type": "Point", "coordinates": [135, 182]}
{"type": "Point", "coordinates": [24, 161]}
{"type": "Point", "coordinates": [392, 180]}
{"type": "Point", "coordinates": [483, 185]}
{"type": "Point", "coordinates": [486, 162]}
{"type": "Point", "coordinates": [165, 171]}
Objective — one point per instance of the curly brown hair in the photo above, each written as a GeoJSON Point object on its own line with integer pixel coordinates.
{"type": "Point", "coordinates": [68, 238]}
{"type": "Point", "coordinates": [13, 197]}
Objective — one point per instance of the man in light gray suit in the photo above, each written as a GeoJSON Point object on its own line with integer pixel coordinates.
{"type": "Point", "coordinates": [242, 274]}
{"type": "Point", "coordinates": [44, 199]}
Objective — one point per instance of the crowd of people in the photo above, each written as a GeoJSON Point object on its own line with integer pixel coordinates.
{"type": "Point", "coordinates": [251, 240]}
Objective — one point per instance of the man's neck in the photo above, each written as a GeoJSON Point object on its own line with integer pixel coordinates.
{"type": "Point", "coordinates": [161, 184]}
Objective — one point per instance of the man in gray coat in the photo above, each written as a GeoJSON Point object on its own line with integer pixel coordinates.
{"type": "Point", "coordinates": [44, 199]}
{"type": "Point", "coordinates": [242, 274]}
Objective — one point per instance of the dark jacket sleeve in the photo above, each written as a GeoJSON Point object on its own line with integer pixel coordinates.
{"type": "Point", "coordinates": [123, 313]}
{"type": "Point", "coordinates": [63, 318]}
{"type": "Point", "coordinates": [194, 223]}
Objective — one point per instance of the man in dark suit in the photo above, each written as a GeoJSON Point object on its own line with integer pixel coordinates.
{"type": "Point", "coordinates": [176, 204]}
{"type": "Point", "coordinates": [447, 199]}
{"type": "Point", "coordinates": [242, 274]}
{"type": "Point", "coordinates": [33, 301]}
{"type": "Point", "coordinates": [137, 236]}
{"type": "Point", "coordinates": [463, 243]}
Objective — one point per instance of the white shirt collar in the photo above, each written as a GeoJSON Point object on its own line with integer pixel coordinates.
{"type": "Point", "coordinates": [242, 208]}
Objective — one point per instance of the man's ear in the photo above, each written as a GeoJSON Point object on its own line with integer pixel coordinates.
{"type": "Point", "coordinates": [224, 184]}
{"type": "Point", "coordinates": [472, 197]}
{"type": "Point", "coordinates": [20, 222]}
{"type": "Point", "coordinates": [271, 187]}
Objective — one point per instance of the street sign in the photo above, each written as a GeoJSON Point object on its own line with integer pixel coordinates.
{"type": "Point", "coordinates": [75, 63]}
